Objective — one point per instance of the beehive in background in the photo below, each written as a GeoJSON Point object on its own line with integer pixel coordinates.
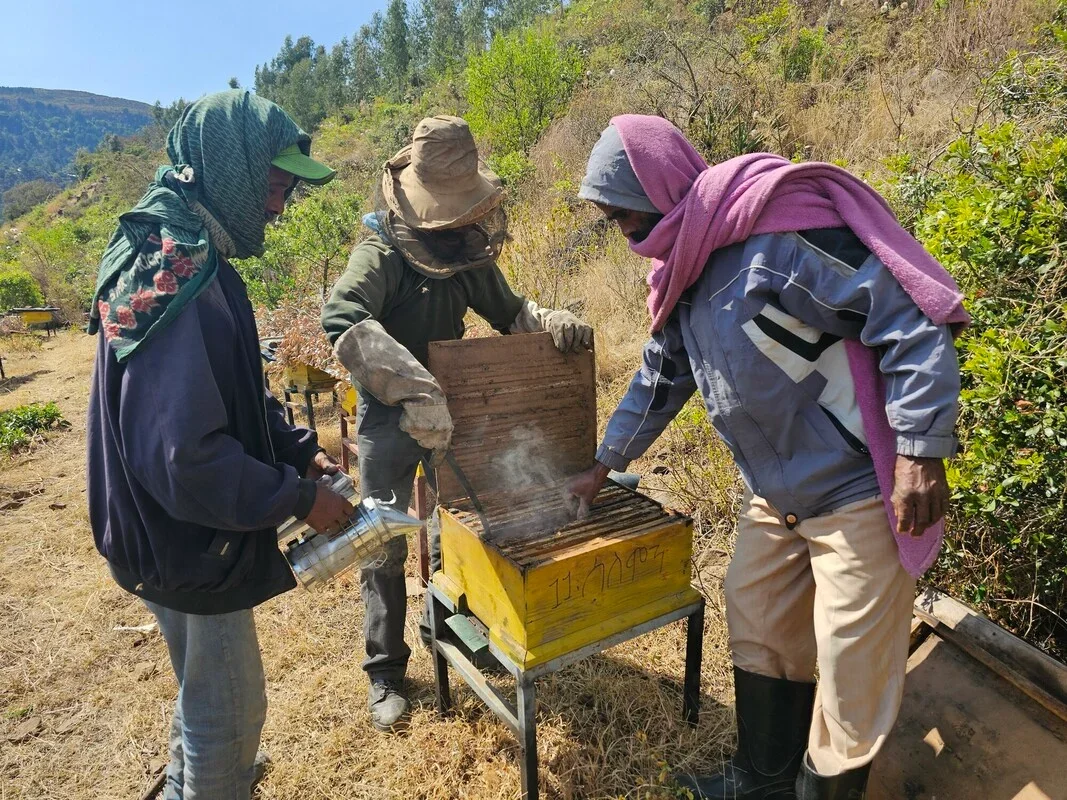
{"type": "Point", "coordinates": [525, 419]}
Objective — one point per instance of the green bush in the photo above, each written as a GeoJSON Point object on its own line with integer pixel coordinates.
{"type": "Point", "coordinates": [19, 426]}
{"type": "Point", "coordinates": [513, 168]}
{"type": "Point", "coordinates": [518, 86]}
{"type": "Point", "coordinates": [798, 55]}
{"type": "Point", "coordinates": [998, 224]}
{"type": "Point", "coordinates": [18, 288]}
{"type": "Point", "coordinates": [307, 250]}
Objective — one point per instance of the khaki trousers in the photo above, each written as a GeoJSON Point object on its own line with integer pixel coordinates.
{"type": "Point", "coordinates": [829, 592]}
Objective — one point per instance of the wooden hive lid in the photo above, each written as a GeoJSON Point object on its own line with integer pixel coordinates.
{"type": "Point", "coordinates": [524, 413]}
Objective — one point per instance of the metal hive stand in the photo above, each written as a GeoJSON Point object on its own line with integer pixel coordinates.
{"type": "Point", "coordinates": [520, 715]}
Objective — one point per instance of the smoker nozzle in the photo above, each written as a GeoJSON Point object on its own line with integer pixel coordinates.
{"type": "Point", "coordinates": [398, 523]}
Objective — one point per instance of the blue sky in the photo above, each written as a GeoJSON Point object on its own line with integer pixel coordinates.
{"type": "Point", "coordinates": [148, 51]}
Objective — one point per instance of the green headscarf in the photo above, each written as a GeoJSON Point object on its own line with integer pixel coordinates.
{"type": "Point", "coordinates": [211, 202]}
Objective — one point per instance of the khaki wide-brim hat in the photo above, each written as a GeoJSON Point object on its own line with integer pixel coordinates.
{"type": "Point", "coordinates": [437, 182]}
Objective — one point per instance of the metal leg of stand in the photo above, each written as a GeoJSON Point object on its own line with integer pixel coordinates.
{"type": "Point", "coordinates": [440, 664]}
{"type": "Point", "coordinates": [288, 406]}
{"type": "Point", "coordinates": [310, 409]}
{"type": "Point", "coordinates": [526, 706]}
{"type": "Point", "coordinates": [694, 650]}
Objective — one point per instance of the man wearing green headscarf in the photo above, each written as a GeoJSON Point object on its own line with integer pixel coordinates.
{"type": "Point", "coordinates": [191, 464]}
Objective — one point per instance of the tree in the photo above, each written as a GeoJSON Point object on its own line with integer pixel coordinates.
{"type": "Point", "coordinates": [291, 81]}
{"type": "Point", "coordinates": [445, 41]}
{"type": "Point", "coordinates": [396, 57]}
{"type": "Point", "coordinates": [474, 21]}
{"type": "Point", "coordinates": [419, 28]}
{"type": "Point", "coordinates": [332, 71]}
{"type": "Point", "coordinates": [19, 199]}
{"type": "Point", "coordinates": [306, 251]}
{"type": "Point", "coordinates": [234, 83]}
{"type": "Point", "coordinates": [517, 86]}
{"type": "Point", "coordinates": [511, 14]}
{"type": "Point", "coordinates": [365, 74]}
{"type": "Point", "coordinates": [164, 118]}
{"type": "Point", "coordinates": [18, 289]}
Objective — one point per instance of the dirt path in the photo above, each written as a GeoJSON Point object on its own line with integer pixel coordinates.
{"type": "Point", "coordinates": [84, 707]}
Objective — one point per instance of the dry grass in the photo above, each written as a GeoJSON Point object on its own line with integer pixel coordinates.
{"type": "Point", "coordinates": [607, 726]}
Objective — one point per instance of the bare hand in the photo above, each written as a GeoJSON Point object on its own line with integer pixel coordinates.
{"type": "Point", "coordinates": [580, 491]}
{"type": "Point", "coordinates": [920, 493]}
{"type": "Point", "coordinates": [330, 512]}
{"type": "Point", "coordinates": [321, 465]}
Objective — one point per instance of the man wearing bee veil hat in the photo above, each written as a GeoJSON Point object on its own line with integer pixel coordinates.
{"type": "Point", "coordinates": [437, 232]}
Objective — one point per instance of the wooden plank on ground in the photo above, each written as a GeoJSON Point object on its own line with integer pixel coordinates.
{"type": "Point", "coordinates": [524, 413]}
{"type": "Point", "coordinates": [1039, 676]}
{"type": "Point", "coordinates": [964, 733]}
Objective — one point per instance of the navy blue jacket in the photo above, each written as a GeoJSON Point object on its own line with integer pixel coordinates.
{"type": "Point", "coordinates": [191, 463]}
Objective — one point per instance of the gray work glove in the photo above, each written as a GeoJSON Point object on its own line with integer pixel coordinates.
{"type": "Point", "coordinates": [569, 334]}
{"type": "Point", "coordinates": [430, 426]}
{"type": "Point", "coordinates": [382, 366]}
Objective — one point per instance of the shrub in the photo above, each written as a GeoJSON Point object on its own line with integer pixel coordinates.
{"type": "Point", "coordinates": [307, 250]}
{"type": "Point", "coordinates": [518, 86]}
{"type": "Point", "coordinates": [21, 425]}
{"type": "Point", "coordinates": [513, 168]}
{"type": "Point", "coordinates": [18, 288]}
{"type": "Point", "coordinates": [798, 55]}
{"type": "Point", "coordinates": [19, 199]}
{"type": "Point", "coordinates": [998, 225]}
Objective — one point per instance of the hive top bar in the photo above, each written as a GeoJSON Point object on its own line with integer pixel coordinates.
{"type": "Point", "coordinates": [534, 526]}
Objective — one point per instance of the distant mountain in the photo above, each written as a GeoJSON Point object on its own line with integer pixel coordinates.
{"type": "Point", "coordinates": [42, 129]}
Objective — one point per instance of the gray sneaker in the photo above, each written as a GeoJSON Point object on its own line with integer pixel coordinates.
{"type": "Point", "coordinates": [387, 703]}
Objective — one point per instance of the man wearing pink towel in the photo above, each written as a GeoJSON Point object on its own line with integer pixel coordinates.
{"type": "Point", "coordinates": [819, 334]}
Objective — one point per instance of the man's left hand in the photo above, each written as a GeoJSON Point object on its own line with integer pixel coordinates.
{"type": "Point", "coordinates": [920, 493]}
{"type": "Point", "coordinates": [321, 465]}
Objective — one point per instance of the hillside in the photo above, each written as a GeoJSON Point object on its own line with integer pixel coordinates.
{"type": "Point", "coordinates": [956, 110]}
{"type": "Point", "coordinates": [42, 129]}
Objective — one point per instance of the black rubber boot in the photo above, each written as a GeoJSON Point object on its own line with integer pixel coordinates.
{"type": "Point", "coordinates": [773, 719]}
{"type": "Point", "coordinates": [851, 785]}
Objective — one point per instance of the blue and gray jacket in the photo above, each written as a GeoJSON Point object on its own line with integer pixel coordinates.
{"type": "Point", "coordinates": [761, 335]}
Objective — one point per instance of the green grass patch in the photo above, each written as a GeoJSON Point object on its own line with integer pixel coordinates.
{"type": "Point", "coordinates": [21, 425]}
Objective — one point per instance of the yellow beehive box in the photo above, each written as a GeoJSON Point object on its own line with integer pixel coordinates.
{"type": "Point", "coordinates": [305, 376]}
{"type": "Point", "coordinates": [36, 316]}
{"type": "Point", "coordinates": [542, 595]}
{"type": "Point", "coordinates": [543, 584]}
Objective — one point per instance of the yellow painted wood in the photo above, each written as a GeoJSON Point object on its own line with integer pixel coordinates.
{"type": "Point", "coordinates": [36, 317]}
{"type": "Point", "coordinates": [623, 621]}
{"type": "Point", "coordinates": [594, 590]}
{"type": "Point", "coordinates": [493, 586]}
{"type": "Point", "coordinates": [305, 376]}
{"type": "Point", "coordinates": [605, 579]}
{"type": "Point", "coordinates": [348, 401]}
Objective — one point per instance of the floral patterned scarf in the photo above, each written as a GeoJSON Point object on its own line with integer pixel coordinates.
{"type": "Point", "coordinates": [211, 204]}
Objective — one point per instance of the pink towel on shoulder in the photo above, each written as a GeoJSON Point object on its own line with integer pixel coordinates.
{"type": "Point", "coordinates": [707, 208]}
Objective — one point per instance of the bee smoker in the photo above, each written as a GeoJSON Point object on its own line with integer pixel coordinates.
{"type": "Point", "coordinates": [317, 558]}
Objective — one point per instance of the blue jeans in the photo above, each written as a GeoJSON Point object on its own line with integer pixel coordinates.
{"type": "Point", "coordinates": [221, 705]}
